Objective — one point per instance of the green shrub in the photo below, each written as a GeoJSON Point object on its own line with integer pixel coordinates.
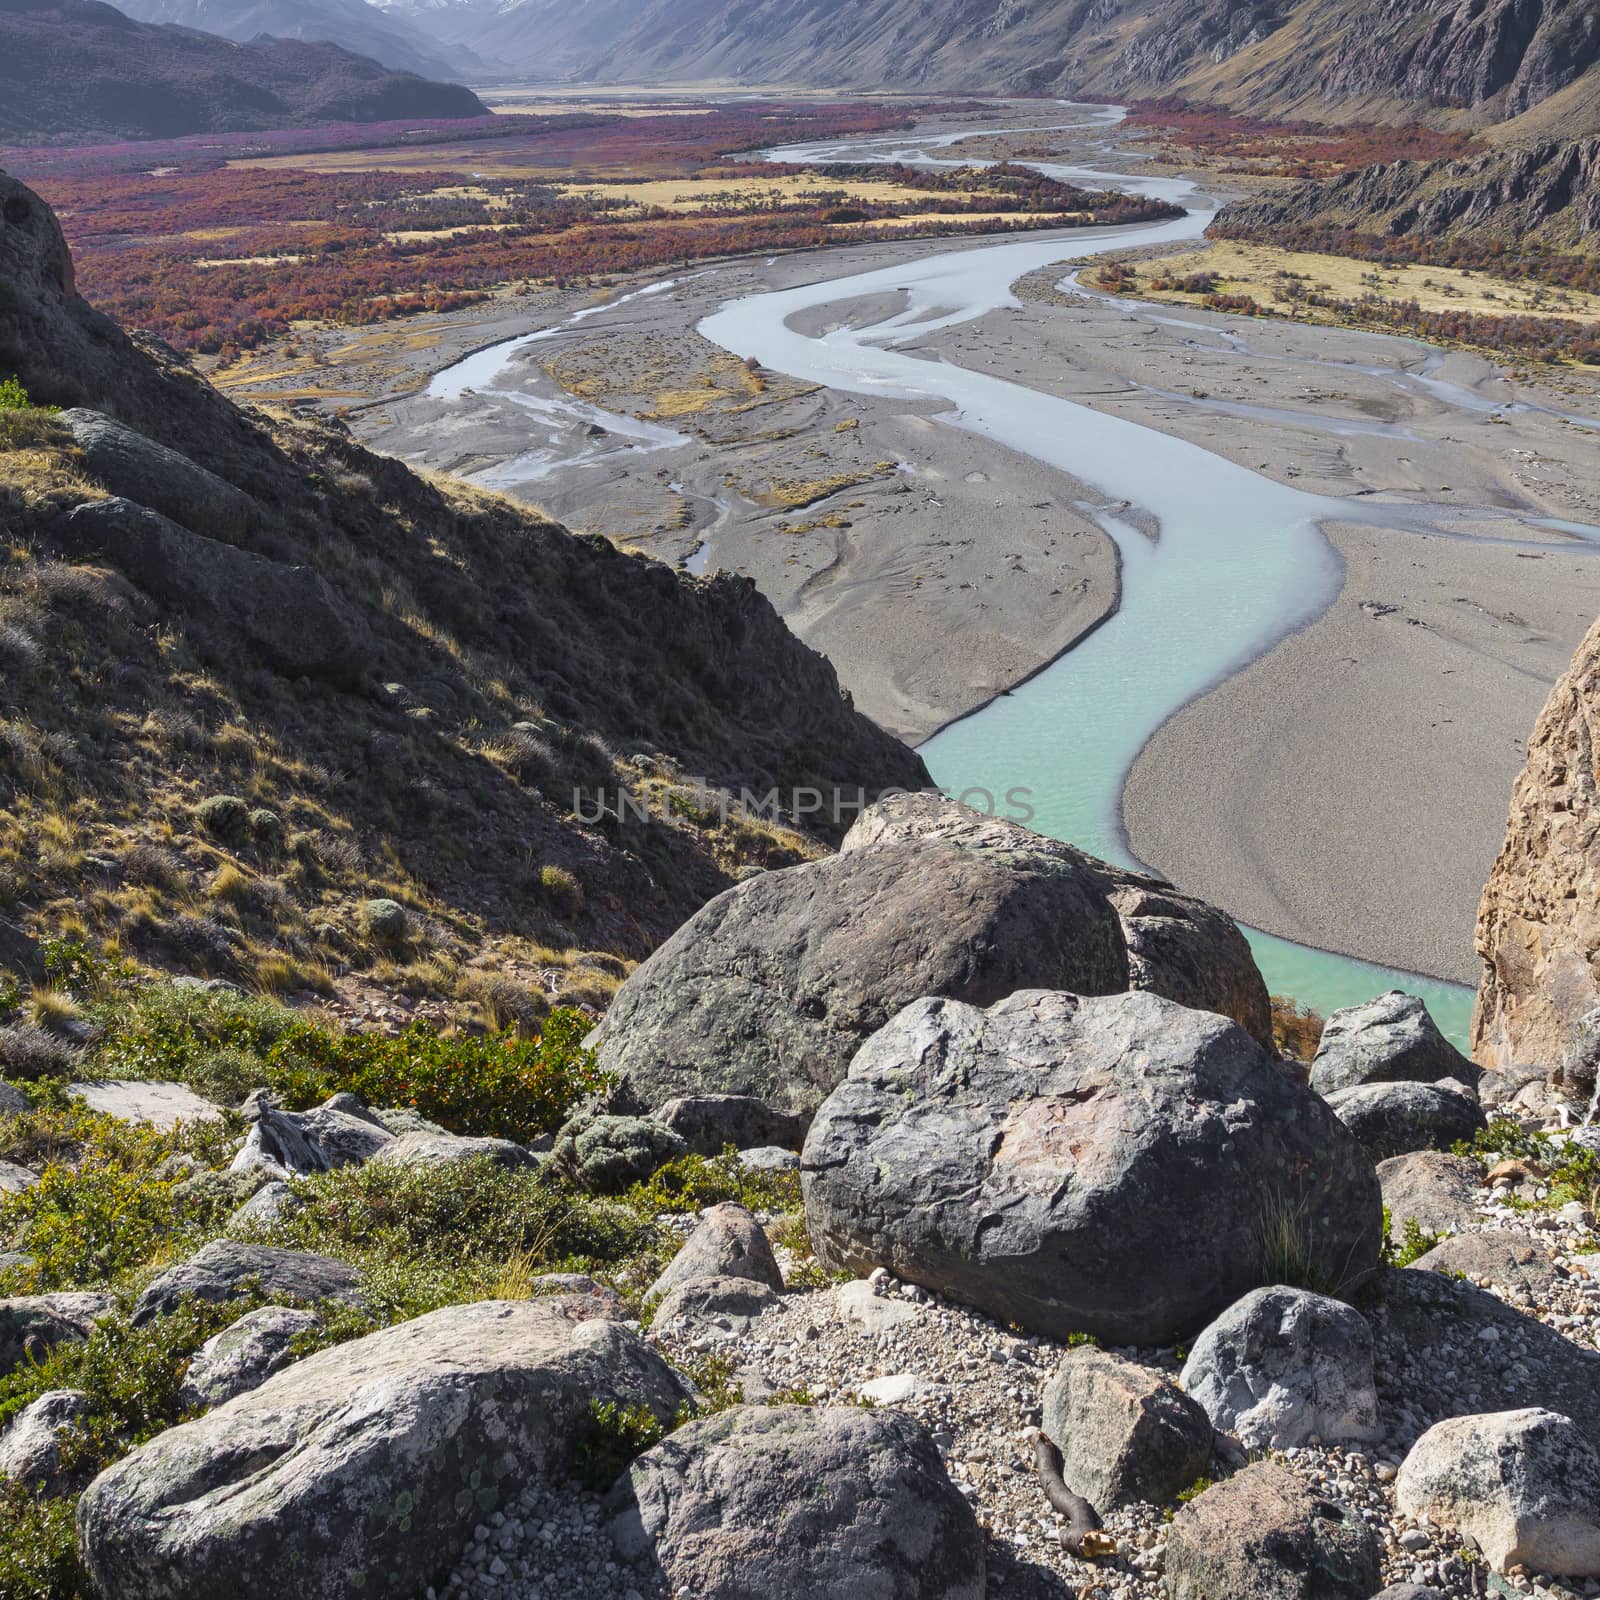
{"type": "Point", "coordinates": [225, 815]}
{"type": "Point", "coordinates": [693, 1182]}
{"type": "Point", "coordinates": [38, 1547]}
{"type": "Point", "coordinates": [266, 825]}
{"type": "Point", "coordinates": [562, 892]}
{"type": "Point", "coordinates": [13, 397]}
{"type": "Point", "coordinates": [606, 1442]}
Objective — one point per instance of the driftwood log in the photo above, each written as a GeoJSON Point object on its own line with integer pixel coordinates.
{"type": "Point", "coordinates": [1083, 1535]}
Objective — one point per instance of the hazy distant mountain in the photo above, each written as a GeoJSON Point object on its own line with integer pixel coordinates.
{"type": "Point", "coordinates": [80, 67]}
{"type": "Point", "coordinates": [352, 24]}
{"type": "Point", "coordinates": [1370, 59]}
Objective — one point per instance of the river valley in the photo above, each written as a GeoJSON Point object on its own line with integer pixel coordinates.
{"type": "Point", "coordinates": [1269, 609]}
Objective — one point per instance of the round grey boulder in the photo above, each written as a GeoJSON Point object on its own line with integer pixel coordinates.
{"type": "Point", "coordinates": [30, 1447]}
{"type": "Point", "coordinates": [14, 1179]}
{"type": "Point", "coordinates": [1524, 1484]}
{"type": "Point", "coordinates": [1117, 1165]}
{"type": "Point", "coordinates": [447, 1149]}
{"type": "Point", "coordinates": [31, 1325]}
{"type": "Point", "coordinates": [1263, 1535]}
{"type": "Point", "coordinates": [244, 1355]}
{"type": "Point", "coordinates": [727, 1242]}
{"type": "Point", "coordinates": [1393, 1119]}
{"type": "Point", "coordinates": [1388, 1040]}
{"type": "Point", "coordinates": [227, 1270]}
{"type": "Point", "coordinates": [606, 1154]}
{"type": "Point", "coordinates": [713, 1306]}
{"type": "Point", "coordinates": [770, 988]}
{"type": "Point", "coordinates": [365, 1467]}
{"type": "Point", "coordinates": [830, 1503]}
{"type": "Point", "coordinates": [1437, 1191]}
{"type": "Point", "coordinates": [1125, 1432]}
{"type": "Point", "coordinates": [1283, 1366]}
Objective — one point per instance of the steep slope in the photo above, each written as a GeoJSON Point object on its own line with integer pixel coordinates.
{"type": "Point", "coordinates": [351, 24]}
{"type": "Point", "coordinates": [1547, 193]}
{"type": "Point", "coordinates": [1476, 60]}
{"type": "Point", "coordinates": [1538, 931]}
{"type": "Point", "coordinates": [314, 680]}
{"type": "Point", "coordinates": [80, 67]}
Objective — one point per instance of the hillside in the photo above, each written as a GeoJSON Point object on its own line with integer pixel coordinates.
{"type": "Point", "coordinates": [82, 68]}
{"type": "Point", "coordinates": [1459, 60]}
{"type": "Point", "coordinates": [317, 681]}
{"type": "Point", "coordinates": [351, 24]}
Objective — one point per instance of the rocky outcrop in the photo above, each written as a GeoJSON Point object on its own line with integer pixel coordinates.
{"type": "Point", "coordinates": [730, 1507]}
{"type": "Point", "coordinates": [770, 989]}
{"type": "Point", "coordinates": [1125, 1432]}
{"type": "Point", "coordinates": [708, 1123]}
{"type": "Point", "coordinates": [698, 1307]}
{"type": "Point", "coordinates": [448, 1149]}
{"type": "Point", "coordinates": [1282, 1367]}
{"type": "Point", "coordinates": [128, 464]}
{"type": "Point", "coordinates": [1263, 1535]}
{"type": "Point", "coordinates": [727, 1242]}
{"type": "Point", "coordinates": [289, 614]}
{"type": "Point", "coordinates": [1388, 1040]}
{"type": "Point", "coordinates": [1525, 1485]}
{"type": "Point", "coordinates": [31, 1324]}
{"type": "Point", "coordinates": [1114, 1165]}
{"type": "Point", "coordinates": [1393, 1119]}
{"type": "Point", "coordinates": [145, 1103]}
{"type": "Point", "coordinates": [1539, 922]}
{"type": "Point", "coordinates": [224, 1270]}
{"type": "Point", "coordinates": [244, 1355]}
{"type": "Point", "coordinates": [365, 1465]}
{"type": "Point", "coordinates": [341, 1132]}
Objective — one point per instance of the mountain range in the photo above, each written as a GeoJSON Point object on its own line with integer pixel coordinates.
{"type": "Point", "coordinates": [82, 68]}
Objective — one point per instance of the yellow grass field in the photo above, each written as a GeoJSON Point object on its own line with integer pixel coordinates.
{"type": "Point", "coordinates": [1265, 272]}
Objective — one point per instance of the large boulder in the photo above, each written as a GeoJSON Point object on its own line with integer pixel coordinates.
{"type": "Point", "coordinates": [226, 1270]}
{"type": "Point", "coordinates": [1538, 930]}
{"type": "Point", "coordinates": [1282, 1367]}
{"type": "Point", "coordinates": [1263, 1535]}
{"type": "Point", "coordinates": [1438, 1192]}
{"type": "Point", "coordinates": [1524, 1484]}
{"type": "Point", "coordinates": [769, 989]}
{"type": "Point", "coordinates": [31, 1325]}
{"type": "Point", "coordinates": [145, 1103]}
{"type": "Point", "coordinates": [708, 1123]}
{"type": "Point", "coordinates": [713, 1306]}
{"type": "Point", "coordinates": [341, 1132]}
{"type": "Point", "coordinates": [1117, 1165]}
{"type": "Point", "coordinates": [364, 1467]}
{"type": "Point", "coordinates": [1516, 1263]}
{"type": "Point", "coordinates": [1393, 1119]}
{"type": "Point", "coordinates": [129, 464]}
{"type": "Point", "coordinates": [1125, 1432]}
{"type": "Point", "coordinates": [727, 1242]}
{"type": "Point", "coordinates": [1387, 1040]}
{"type": "Point", "coordinates": [449, 1149]}
{"type": "Point", "coordinates": [290, 616]}
{"type": "Point", "coordinates": [30, 1447]}
{"type": "Point", "coordinates": [245, 1354]}
{"type": "Point", "coordinates": [830, 1503]}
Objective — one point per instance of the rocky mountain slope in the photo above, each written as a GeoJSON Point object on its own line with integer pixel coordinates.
{"type": "Point", "coordinates": [77, 67]}
{"type": "Point", "coordinates": [351, 24]}
{"type": "Point", "coordinates": [267, 677]}
{"type": "Point", "coordinates": [1365, 59]}
{"type": "Point", "coordinates": [1538, 931]}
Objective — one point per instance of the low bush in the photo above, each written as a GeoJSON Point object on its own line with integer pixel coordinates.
{"type": "Point", "coordinates": [694, 1182]}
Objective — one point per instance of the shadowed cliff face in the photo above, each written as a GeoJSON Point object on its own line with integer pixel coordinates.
{"type": "Point", "coordinates": [490, 663]}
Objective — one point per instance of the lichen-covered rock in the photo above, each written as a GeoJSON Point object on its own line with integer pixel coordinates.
{"type": "Point", "coordinates": [30, 1447]}
{"type": "Point", "coordinates": [289, 615]}
{"type": "Point", "coordinates": [31, 1324]}
{"type": "Point", "coordinates": [1393, 1119]}
{"type": "Point", "coordinates": [605, 1154]}
{"type": "Point", "coordinates": [1283, 1366]}
{"type": "Point", "coordinates": [339, 1133]}
{"type": "Point", "coordinates": [1388, 1040]}
{"type": "Point", "coordinates": [1524, 1484]}
{"type": "Point", "coordinates": [1538, 930]}
{"type": "Point", "coordinates": [770, 989]}
{"type": "Point", "coordinates": [14, 1179]}
{"type": "Point", "coordinates": [830, 1503]}
{"type": "Point", "coordinates": [447, 1149]}
{"type": "Point", "coordinates": [1264, 1535]}
{"type": "Point", "coordinates": [1125, 1432]}
{"type": "Point", "coordinates": [364, 1467]}
{"type": "Point", "coordinates": [226, 1270]}
{"type": "Point", "coordinates": [708, 1123]}
{"type": "Point", "coordinates": [269, 1205]}
{"type": "Point", "coordinates": [1113, 1165]}
{"type": "Point", "coordinates": [701, 1306]}
{"type": "Point", "coordinates": [146, 1104]}
{"type": "Point", "coordinates": [244, 1355]}
{"type": "Point", "coordinates": [1435, 1190]}
{"type": "Point", "coordinates": [1509, 1258]}
{"type": "Point", "coordinates": [386, 920]}
{"type": "Point", "coordinates": [129, 464]}
{"type": "Point", "coordinates": [727, 1242]}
